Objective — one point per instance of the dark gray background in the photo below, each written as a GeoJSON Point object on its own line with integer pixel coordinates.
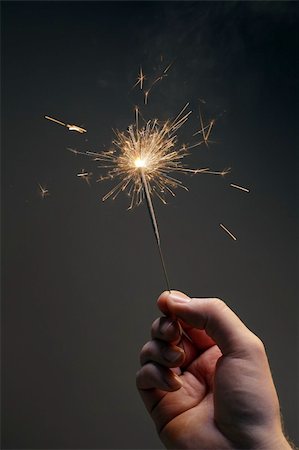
{"type": "Point", "coordinates": [81, 277]}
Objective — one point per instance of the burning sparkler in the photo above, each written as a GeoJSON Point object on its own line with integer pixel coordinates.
{"type": "Point", "coordinates": [150, 150]}
{"type": "Point", "coordinates": [143, 160]}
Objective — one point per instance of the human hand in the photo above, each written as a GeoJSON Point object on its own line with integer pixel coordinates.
{"type": "Point", "coordinates": [210, 387]}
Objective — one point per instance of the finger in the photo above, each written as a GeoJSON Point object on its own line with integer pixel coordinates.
{"type": "Point", "coordinates": [155, 376]}
{"type": "Point", "coordinates": [170, 330]}
{"type": "Point", "coordinates": [164, 405]}
{"type": "Point", "coordinates": [166, 329]}
{"type": "Point", "coordinates": [212, 315]}
{"type": "Point", "coordinates": [192, 342]}
{"type": "Point", "coordinates": [165, 354]}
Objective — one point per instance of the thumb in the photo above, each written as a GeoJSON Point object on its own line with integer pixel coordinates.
{"type": "Point", "coordinates": [211, 315]}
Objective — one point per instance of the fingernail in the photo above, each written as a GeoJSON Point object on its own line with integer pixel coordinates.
{"type": "Point", "coordinates": [172, 355]}
{"type": "Point", "coordinates": [169, 380]}
{"type": "Point", "coordinates": [166, 326]}
{"type": "Point", "coordinates": [179, 297]}
{"type": "Point", "coordinates": [178, 380]}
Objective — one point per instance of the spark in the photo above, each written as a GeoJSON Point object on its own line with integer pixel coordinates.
{"type": "Point", "coordinates": [43, 191]}
{"type": "Point", "coordinates": [76, 128]}
{"type": "Point", "coordinates": [73, 150]}
{"type": "Point", "coordinates": [222, 173]}
{"type": "Point", "coordinates": [146, 94]}
{"type": "Point", "coordinates": [228, 232]}
{"type": "Point", "coordinates": [167, 68]}
{"type": "Point", "coordinates": [140, 79]}
{"type": "Point", "coordinates": [55, 120]}
{"type": "Point", "coordinates": [241, 188]}
{"type": "Point", "coordinates": [205, 130]}
{"type": "Point", "coordinates": [162, 76]}
{"type": "Point", "coordinates": [84, 175]}
{"type": "Point", "coordinates": [70, 127]}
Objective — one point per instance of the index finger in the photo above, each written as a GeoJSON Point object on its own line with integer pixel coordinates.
{"type": "Point", "coordinates": [220, 323]}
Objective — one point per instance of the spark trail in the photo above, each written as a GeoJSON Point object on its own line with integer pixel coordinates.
{"type": "Point", "coordinates": [68, 126]}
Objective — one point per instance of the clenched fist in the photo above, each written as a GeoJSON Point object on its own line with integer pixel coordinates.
{"type": "Point", "coordinates": [206, 381]}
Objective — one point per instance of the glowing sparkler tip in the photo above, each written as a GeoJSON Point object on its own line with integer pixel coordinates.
{"type": "Point", "coordinates": [139, 163]}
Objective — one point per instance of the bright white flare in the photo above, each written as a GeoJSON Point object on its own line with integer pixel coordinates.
{"type": "Point", "coordinates": [139, 163]}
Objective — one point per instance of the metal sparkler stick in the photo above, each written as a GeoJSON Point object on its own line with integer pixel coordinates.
{"type": "Point", "coordinates": [151, 211]}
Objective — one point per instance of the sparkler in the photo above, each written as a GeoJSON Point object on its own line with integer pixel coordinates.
{"type": "Point", "coordinates": [144, 160]}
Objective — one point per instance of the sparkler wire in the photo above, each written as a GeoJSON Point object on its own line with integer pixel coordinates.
{"type": "Point", "coordinates": [152, 214]}
{"type": "Point", "coordinates": [151, 211]}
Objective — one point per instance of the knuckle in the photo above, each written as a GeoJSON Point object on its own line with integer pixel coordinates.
{"type": "Point", "coordinates": [155, 326]}
{"type": "Point", "coordinates": [145, 346]}
{"type": "Point", "coordinates": [148, 352]}
{"type": "Point", "coordinates": [141, 378]}
{"type": "Point", "coordinates": [146, 349]}
{"type": "Point", "coordinates": [257, 344]}
{"type": "Point", "coordinates": [147, 373]}
{"type": "Point", "coordinates": [138, 377]}
{"type": "Point", "coordinates": [219, 303]}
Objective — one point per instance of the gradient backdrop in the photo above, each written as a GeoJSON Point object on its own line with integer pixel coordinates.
{"type": "Point", "coordinates": [81, 277]}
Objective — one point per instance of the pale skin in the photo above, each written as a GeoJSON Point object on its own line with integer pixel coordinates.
{"type": "Point", "coordinates": [210, 387]}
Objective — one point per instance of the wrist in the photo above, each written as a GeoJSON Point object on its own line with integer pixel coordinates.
{"type": "Point", "coordinates": [280, 443]}
{"type": "Point", "coordinates": [286, 445]}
